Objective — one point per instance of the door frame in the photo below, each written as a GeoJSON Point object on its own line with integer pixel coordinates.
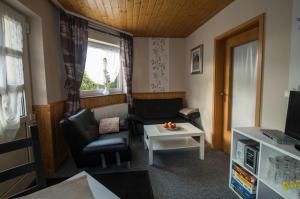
{"type": "Point", "coordinates": [218, 79]}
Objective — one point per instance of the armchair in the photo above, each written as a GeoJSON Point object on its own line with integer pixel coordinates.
{"type": "Point", "coordinates": [87, 147]}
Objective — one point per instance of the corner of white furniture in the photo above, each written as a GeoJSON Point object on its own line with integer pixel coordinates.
{"type": "Point", "coordinates": [268, 148]}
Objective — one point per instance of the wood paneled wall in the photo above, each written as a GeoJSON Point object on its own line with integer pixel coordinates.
{"type": "Point", "coordinates": [43, 118]}
{"type": "Point", "coordinates": [160, 95]}
{"type": "Point", "coordinates": [92, 102]}
{"type": "Point", "coordinates": [53, 147]}
{"type": "Point", "coordinates": [60, 149]}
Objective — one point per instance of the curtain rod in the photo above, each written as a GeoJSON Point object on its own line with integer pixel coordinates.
{"type": "Point", "coordinates": [94, 24]}
{"type": "Point", "coordinates": [115, 34]}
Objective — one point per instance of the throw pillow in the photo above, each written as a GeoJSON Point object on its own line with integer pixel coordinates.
{"type": "Point", "coordinates": [187, 111]}
{"type": "Point", "coordinates": [109, 125]}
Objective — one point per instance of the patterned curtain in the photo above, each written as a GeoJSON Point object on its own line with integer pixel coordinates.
{"type": "Point", "coordinates": [74, 40]}
{"type": "Point", "coordinates": [126, 54]}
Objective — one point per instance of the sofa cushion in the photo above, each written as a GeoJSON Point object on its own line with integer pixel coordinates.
{"type": "Point", "coordinates": [188, 111]}
{"type": "Point", "coordinates": [85, 125]}
{"type": "Point", "coordinates": [115, 110]}
{"type": "Point", "coordinates": [157, 108]}
{"type": "Point", "coordinates": [104, 145]}
{"type": "Point", "coordinates": [161, 121]}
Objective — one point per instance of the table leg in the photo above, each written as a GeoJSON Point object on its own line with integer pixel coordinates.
{"type": "Point", "coordinates": [150, 148]}
{"type": "Point", "coordinates": [202, 146]}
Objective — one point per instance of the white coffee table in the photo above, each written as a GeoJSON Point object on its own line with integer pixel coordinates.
{"type": "Point", "coordinates": [158, 138]}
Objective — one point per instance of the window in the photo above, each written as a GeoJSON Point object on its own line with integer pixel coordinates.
{"type": "Point", "coordinates": [14, 71]}
{"type": "Point", "coordinates": [102, 69]}
{"type": "Point", "coordinates": [12, 60]}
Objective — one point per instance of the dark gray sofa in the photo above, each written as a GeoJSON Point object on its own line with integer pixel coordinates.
{"type": "Point", "coordinates": [158, 111]}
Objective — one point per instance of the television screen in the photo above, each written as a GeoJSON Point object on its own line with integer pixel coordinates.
{"type": "Point", "coordinates": [292, 126]}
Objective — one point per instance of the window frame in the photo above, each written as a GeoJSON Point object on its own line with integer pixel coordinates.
{"type": "Point", "coordinates": [27, 96]}
{"type": "Point", "coordinates": [99, 92]}
{"type": "Point", "coordinates": [24, 55]}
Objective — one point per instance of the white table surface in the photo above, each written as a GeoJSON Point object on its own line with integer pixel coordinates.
{"type": "Point", "coordinates": [185, 129]}
{"type": "Point", "coordinates": [156, 137]}
{"type": "Point", "coordinates": [98, 190]}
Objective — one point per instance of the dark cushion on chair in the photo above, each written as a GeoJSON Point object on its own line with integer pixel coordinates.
{"type": "Point", "coordinates": [104, 145]}
{"type": "Point", "coordinates": [85, 124]}
{"type": "Point", "coordinates": [122, 134]}
{"type": "Point", "coordinates": [123, 124]}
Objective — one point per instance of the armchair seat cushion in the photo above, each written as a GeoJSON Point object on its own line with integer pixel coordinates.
{"type": "Point", "coordinates": [121, 134]}
{"type": "Point", "coordinates": [104, 145]}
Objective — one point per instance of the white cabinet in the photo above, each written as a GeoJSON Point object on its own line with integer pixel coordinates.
{"type": "Point", "coordinates": [267, 187]}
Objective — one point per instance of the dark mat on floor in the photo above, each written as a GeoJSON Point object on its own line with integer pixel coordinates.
{"type": "Point", "coordinates": [126, 185]}
{"type": "Point", "coordinates": [176, 174]}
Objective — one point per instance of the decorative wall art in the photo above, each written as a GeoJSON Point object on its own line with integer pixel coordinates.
{"type": "Point", "coordinates": [159, 64]}
{"type": "Point", "coordinates": [197, 60]}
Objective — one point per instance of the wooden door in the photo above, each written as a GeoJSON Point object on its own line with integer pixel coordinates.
{"type": "Point", "coordinates": [230, 44]}
{"type": "Point", "coordinates": [251, 30]}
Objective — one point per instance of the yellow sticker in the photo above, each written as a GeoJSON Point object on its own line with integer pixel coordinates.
{"type": "Point", "coordinates": [293, 185]}
{"type": "Point", "coordinates": [286, 185]}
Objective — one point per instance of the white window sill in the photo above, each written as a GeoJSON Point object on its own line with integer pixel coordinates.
{"type": "Point", "coordinates": [87, 94]}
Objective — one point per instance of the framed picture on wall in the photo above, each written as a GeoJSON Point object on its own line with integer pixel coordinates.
{"type": "Point", "coordinates": [197, 60]}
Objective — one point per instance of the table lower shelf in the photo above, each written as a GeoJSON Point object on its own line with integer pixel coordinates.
{"type": "Point", "coordinates": [173, 143]}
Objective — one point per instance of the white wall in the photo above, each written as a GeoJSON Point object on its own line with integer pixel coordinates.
{"type": "Point", "coordinates": [37, 62]}
{"type": "Point", "coordinates": [141, 64]}
{"type": "Point", "coordinates": [294, 80]}
{"type": "Point", "coordinates": [276, 58]}
{"type": "Point", "coordinates": [45, 51]}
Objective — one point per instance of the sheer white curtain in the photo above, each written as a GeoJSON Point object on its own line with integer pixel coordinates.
{"type": "Point", "coordinates": [11, 71]}
{"type": "Point", "coordinates": [245, 60]}
{"type": "Point", "coordinates": [94, 66]}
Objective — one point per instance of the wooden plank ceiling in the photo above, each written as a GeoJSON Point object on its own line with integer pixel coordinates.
{"type": "Point", "coordinates": [149, 18]}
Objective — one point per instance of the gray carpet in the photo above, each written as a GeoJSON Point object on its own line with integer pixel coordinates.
{"type": "Point", "coordinates": [175, 174]}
